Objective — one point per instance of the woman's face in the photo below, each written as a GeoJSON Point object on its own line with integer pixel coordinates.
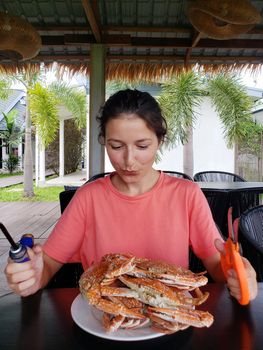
{"type": "Point", "coordinates": [131, 146]}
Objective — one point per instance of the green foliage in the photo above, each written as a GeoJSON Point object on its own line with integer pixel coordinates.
{"type": "Point", "coordinates": [13, 133]}
{"type": "Point", "coordinates": [72, 149]}
{"type": "Point", "coordinates": [12, 163]}
{"type": "Point", "coordinates": [179, 99]}
{"type": "Point", "coordinates": [4, 88]}
{"type": "Point", "coordinates": [232, 104]}
{"type": "Point", "coordinates": [3, 175]}
{"type": "Point", "coordinates": [75, 101]}
{"type": "Point", "coordinates": [44, 113]}
{"type": "Point", "coordinates": [252, 140]}
{"type": "Point", "coordinates": [42, 194]}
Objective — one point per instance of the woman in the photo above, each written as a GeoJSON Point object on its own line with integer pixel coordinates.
{"type": "Point", "coordinates": [136, 210]}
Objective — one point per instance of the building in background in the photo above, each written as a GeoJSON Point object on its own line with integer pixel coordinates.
{"type": "Point", "coordinates": [15, 101]}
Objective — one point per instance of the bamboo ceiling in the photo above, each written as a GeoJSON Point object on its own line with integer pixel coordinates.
{"type": "Point", "coordinates": [144, 39]}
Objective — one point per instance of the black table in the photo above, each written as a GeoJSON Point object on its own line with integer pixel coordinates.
{"type": "Point", "coordinates": [43, 321]}
{"type": "Point", "coordinates": [227, 187]}
{"type": "Point", "coordinates": [222, 195]}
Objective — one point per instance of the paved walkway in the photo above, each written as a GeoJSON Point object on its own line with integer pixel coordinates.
{"type": "Point", "coordinates": [37, 218]}
{"type": "Point", "coordinates": [11, 180]}
{"type": "Point", "coordinates": [16, 179]}
{"type": "Point", "coordinates": [75, 179]}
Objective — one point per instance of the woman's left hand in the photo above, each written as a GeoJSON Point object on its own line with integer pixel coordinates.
{"type": "Point", "coordinates": [232, 280]}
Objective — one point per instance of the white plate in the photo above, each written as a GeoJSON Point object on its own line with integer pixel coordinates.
{"type": "Point", "coordinates": [90, 320]}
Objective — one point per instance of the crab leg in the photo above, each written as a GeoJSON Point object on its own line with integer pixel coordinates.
{"type": "Point", "coordinates": [196, 318]}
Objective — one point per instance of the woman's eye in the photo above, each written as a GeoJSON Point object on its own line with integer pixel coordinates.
{"type": "Point", "coordinates": [116, 147]}
{"type": "Point", "coordinates": [142, 146]}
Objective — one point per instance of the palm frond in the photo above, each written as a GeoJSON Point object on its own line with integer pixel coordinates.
{"type": "Point", "coordinates": [75, 100]}
{"type": "Point", "coordinates": [232, 104]}
{"type": "Point", "coordinates": [44, 113]}
{"type": "Point", "coordinates": [179, 100]}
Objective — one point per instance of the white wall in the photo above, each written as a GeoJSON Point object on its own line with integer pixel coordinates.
{"type": "Point", "coordinates": [210, 150]}
{"type": "Point", "coordinates": [258, 116]}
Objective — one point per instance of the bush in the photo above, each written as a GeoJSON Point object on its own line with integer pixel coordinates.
{"type": "Point", "coordinates": [11, 163]}
{"type": "Point", "coordinates": [72, 149]}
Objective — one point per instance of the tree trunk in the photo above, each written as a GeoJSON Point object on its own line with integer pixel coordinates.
{"type": "Point", "coordinates": [188, 154]}
{"type": "Point", "coordinates": [236, 159]}
{"type": "Point", "coordinates": [28, 159]}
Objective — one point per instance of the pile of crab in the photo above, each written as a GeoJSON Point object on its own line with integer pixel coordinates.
{"type": "Point", "coordinates": [136, 292]}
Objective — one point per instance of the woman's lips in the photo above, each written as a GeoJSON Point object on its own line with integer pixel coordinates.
{"type": "Point", "coordinates": [129, 173]}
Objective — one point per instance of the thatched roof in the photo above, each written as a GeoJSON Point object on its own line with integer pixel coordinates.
{"type": "Point", "coordinates": [144, 39]}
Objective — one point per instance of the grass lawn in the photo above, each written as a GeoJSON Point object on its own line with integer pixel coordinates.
{"type": "Point", "coordinates": [42, 194]}
{"type": "Point", "coordinates": [8, 175]}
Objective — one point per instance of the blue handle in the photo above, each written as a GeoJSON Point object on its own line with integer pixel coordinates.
{"type": "Point", "coordinates": [20, 254]}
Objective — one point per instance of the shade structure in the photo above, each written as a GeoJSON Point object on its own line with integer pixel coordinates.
{"type": "Point", "coordinates": [19, 40]}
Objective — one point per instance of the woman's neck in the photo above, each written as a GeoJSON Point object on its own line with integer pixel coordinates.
{"type": "Point", "coordinates": [136, 188]}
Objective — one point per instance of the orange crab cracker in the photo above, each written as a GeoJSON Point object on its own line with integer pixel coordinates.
{"type": "Point", "coordinates": [232, 260]}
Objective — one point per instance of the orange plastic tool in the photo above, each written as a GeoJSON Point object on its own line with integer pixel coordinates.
{"type": "Point", "coordinates": [232, 260]}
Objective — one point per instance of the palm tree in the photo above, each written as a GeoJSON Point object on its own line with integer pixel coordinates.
{"type": "Point", "coordinates": [28, 78]}
{"type": "Point", "coordinates": [42, 112]}
{"type": "Point", "coordinates": [45, 113]}
{"type": "Point", "coordinates": [181, 97]}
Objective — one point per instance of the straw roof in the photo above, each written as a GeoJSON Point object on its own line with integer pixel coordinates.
{"type": "Point", "coordinates": [144, 40]}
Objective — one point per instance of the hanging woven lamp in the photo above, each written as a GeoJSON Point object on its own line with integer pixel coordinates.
{"type": "Point", "coordinates": [19, 40]}
{"type": "Point", "coordinates": [223, 19]}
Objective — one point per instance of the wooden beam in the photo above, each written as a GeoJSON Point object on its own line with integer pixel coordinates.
{"type": "Point", "coordinates": [197, 36]}
{"type": "Point", "coordinates": [150, 29]}
{"type": "Point", "coordinates": [95, 27]}
{"type": "Point", "coordinates": [127, 40]}
{"type": "Point", "coordinates": [71, 29]}
{"type": "Point", "coordinates": [174, 29]}
{"type": "Point", "coordinates": [132, 29]}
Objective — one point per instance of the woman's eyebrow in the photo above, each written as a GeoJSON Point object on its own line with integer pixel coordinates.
{"type": "Point", "coordinates": [122, 141]}
{"type": "Point", "coordinates": [143, 140]}
{"type": "Point", "coordinates": [115, 140]}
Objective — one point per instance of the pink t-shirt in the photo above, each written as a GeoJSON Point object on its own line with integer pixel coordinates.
{"type": "Point", "coordinates": [159, 224]}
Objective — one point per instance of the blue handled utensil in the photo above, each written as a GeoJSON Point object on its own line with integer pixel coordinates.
{"type": "Point", "coordinates": [18, 251]}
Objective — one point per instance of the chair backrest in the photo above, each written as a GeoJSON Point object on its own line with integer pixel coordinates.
{"type": "Point", "coordinates": [64, 198]}
{"type": "Point", "coordinates": [97, 176]}
{"type": "Point", "coordinates": [177, 174]}
{"type": "Point", "coordinates": [69, 274]}
{"type": "Point", "coordinates": [251, 237]}
{"type": "Point", "coordinates": [217, 176]}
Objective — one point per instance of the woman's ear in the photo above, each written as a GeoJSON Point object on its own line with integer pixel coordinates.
{"type": "Point", "coordinates": [160, 143]}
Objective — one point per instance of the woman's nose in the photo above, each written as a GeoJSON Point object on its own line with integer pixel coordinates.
{"type": "Point", "coordinates": [129, 158]}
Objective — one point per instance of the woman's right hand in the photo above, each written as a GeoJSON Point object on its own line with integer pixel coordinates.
{"type": "Point", "coordinates": [26, 278]}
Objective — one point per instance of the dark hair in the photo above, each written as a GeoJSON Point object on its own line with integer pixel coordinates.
{"type": "Point", "coordinates": [132, 102]}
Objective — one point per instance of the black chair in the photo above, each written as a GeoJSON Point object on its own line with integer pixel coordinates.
{"type": "Point", "coordinates": [97, 176]}
{"type": "Point", "coordinates": [70, 187]}
{"type": "Point", "coordinates": [65, 197]}
{"type": "Point", "coordinates": [177, 174]}
{"type": "Point", "coordinates": [251, 238]}
{"type": "Point", "coordinates": [69, 274]}
{"type": "Point", "coordinates": [220, 202]}
{"type": "Point", "coordinates": [217, 176]}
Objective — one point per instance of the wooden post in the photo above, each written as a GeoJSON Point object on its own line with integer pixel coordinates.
{"type": "Point", "coordinates": [97, 98]}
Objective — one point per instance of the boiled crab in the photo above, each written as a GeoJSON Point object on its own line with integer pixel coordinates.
{"type": "Point", "coordinates": [134, 292]}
